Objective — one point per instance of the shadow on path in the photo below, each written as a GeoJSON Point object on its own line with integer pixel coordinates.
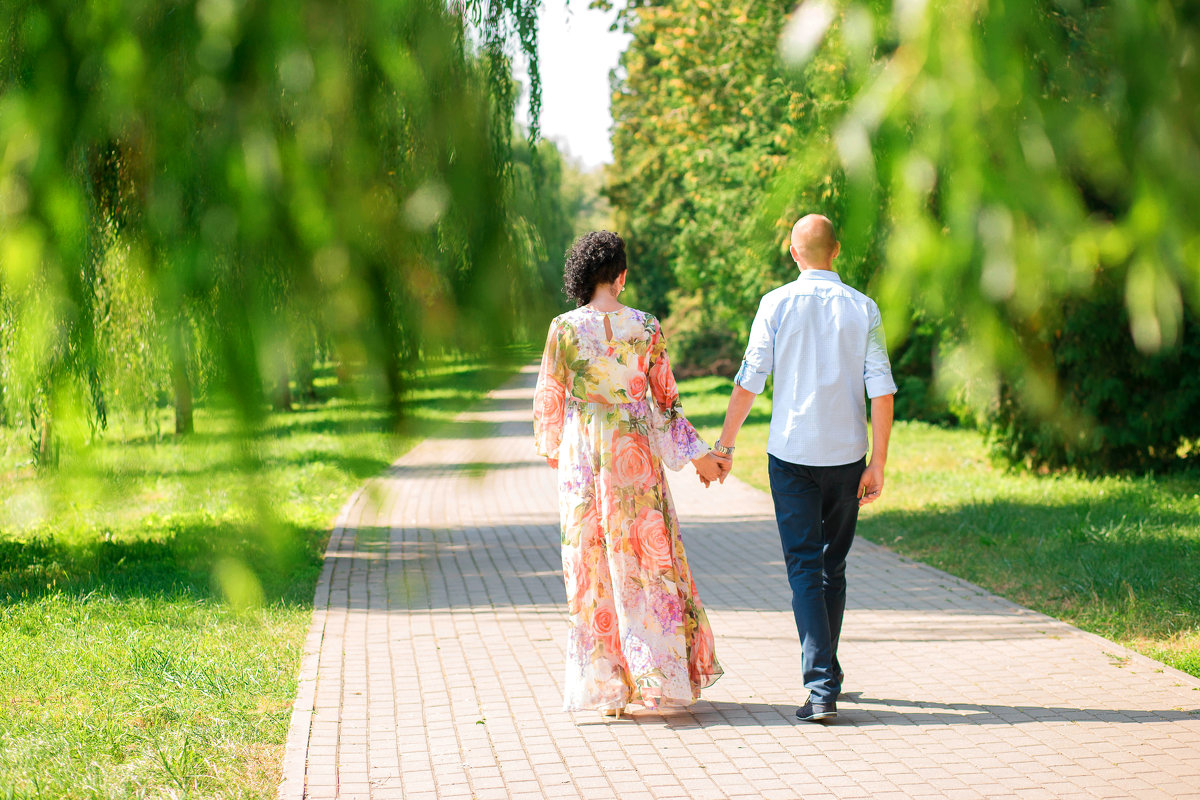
{"type": "Point", "coordinates": [734, 573]}
{"type": "Point", "coordinates": [934, 713]}
{"type": "Point", "coordinates": [705, 714]}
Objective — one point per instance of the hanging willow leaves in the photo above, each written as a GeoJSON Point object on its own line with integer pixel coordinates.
{"type": "Point", "coordinates": [230, 186]}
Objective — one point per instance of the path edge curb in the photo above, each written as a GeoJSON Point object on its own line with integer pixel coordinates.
{"type": "Point", "coordinates": [293, 782]}
{"type": "Point", "coordinates": [293, 776]}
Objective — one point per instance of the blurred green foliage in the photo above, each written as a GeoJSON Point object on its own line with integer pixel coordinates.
{"type": "Point", "coordinates": [586, 203]}
{"type": "Point", "coordinates": [701, 343]}
{"type": "Point", "coordinates": [999, 173]}
{"type": "Point", "coordinates": [1029, 165]}
{"type": "Point", "coordinates": [200, 199]}
{"type": "Point", "coordinates": [545, 204]}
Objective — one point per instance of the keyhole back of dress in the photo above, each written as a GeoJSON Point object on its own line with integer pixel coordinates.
{"type": "Point", "coordinates": [608, 332]}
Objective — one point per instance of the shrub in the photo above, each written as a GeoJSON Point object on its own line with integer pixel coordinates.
{"type": "Point", "coordinates": [700, 342]}
{"type": "Point", "coordinates": [913, 370]}
{"type": "Point", "coordinates": [1121, 409]}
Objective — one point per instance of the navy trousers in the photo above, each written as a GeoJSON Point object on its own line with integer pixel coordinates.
{"type": "Point", "coordinates": [816, 509]}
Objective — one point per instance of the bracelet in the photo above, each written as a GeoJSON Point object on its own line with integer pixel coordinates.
{"type": "Point", "coordinates": [722, 449]}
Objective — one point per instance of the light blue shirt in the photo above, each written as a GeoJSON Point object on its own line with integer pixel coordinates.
{"type": "Point", "coordinates": [824, 342]}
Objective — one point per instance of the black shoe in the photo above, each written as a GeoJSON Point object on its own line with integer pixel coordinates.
{"type": "Point", "coordinates": [817, 712]}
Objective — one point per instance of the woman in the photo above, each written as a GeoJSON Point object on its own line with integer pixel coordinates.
{"type": "Point", "coordinates": [607, 415]}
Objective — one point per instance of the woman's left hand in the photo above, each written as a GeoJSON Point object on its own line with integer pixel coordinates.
{"type": "Point", "coordinates": [552, 462]}
{"type": "Point", "coordinates": [709, 468]}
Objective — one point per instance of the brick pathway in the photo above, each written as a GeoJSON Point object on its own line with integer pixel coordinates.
{"type": "Point", "coordinates": [434, 661]}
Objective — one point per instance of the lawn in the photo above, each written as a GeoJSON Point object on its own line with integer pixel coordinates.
{"type": "Point", "coordinates": [1118, 556]}
{"type": "Point", "coordinates": [154, 596]}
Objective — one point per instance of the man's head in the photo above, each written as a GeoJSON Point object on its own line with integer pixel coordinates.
{"type": "Point", "coordinates": [814, 245]}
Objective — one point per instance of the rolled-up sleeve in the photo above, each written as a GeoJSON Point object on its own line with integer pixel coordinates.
{"type": "Point", "coordinates": [877, 370]}
{"type": "Point", "coordinates": [759, 360]}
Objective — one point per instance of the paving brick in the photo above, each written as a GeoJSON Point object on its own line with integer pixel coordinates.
{"type": "Point", "coordinates": [440, 605]}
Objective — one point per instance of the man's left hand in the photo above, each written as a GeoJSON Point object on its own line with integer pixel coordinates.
{"type": "Point", "coordinates": [870, 485]}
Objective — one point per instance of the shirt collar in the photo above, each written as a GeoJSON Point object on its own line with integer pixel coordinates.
{"type": "Point", "coordinates": [819, 275]}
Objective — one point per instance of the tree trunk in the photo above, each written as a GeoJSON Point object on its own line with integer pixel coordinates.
{"type": "Point", "coordinates": [283, 389]}
{"type": "Point", "coordinates": [46, 442]}
{"type": "Point", "coordinates": [306, 380]}
{"type": "Point", "coordinates": [42, 437]}
{"type": "Point", "coordinates": [394, 376]}
{"type": "Point", "coordinates": [45, 455]}
{"type": "Point", "coordinates": [305, 358]}
{"type": "Point", "coordinates": [344, 375]}
{"type": "Point", "coordinates": [99, 402]}
{"type": "Point", "coordinates": [181, 382]}
{"type": "Point", "coordinates": [183, 400]}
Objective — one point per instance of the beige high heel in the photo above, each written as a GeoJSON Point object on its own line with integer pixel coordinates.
{"type": "Point", "coordinates": [611, 713]}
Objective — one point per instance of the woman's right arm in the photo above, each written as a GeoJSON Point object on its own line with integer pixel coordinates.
{"type": "Point", "coordinates": [550, 396]}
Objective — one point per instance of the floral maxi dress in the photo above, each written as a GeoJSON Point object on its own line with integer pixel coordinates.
{"type": "Point", "coordinates": [608, 410]}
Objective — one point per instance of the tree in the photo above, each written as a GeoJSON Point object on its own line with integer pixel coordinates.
{"type": "Point", "coordinates": [705, 119]}
{"type": "Point", "coordinates": [542, 216]}
{"type": "Point", "coordinates": [689, 133]}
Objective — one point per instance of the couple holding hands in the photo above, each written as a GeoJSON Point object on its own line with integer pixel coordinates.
{"type": "Point", "coordinates": [607, 416]}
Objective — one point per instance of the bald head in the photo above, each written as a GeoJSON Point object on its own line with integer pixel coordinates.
{"type": "Point", "coordinates": [814, 245]}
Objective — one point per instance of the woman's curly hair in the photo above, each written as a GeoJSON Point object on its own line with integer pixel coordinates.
{"type": "Point", "coordinates": [595, 258]}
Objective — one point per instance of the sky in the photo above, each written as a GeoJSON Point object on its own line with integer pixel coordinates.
{"type": "Point", "coordinates": [576, 51]}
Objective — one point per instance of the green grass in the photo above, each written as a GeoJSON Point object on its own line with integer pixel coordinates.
{"type": "Point", "coordinates": [154, 596]}
{"type": "Point", "coordinates": [1118, 556]}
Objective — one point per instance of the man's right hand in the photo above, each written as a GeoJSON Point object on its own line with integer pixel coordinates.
{"type": "Point", "coordinates": [724, 464]}
{"type": "Point", "coordinates": [870, 485]}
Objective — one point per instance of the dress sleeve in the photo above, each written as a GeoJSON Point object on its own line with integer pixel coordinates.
{"type": "Point", "coordinates": [550, 396]}
{"type": "Point", "coordinates": [671, 435]}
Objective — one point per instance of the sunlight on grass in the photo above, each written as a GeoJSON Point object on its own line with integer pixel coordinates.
{"type": "Point", "coordinates": [1117, 556]}
{"type": "Point", "coordinates": [154, 595]}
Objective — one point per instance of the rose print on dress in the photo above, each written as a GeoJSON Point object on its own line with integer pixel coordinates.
{"type": "Point", "coordinates": [577, 577]}
{"type": "Point", "coordinates": [632, 462]}
{"type": "Point", "coordinates": [651, 542]}
{"type": "Point", "coordinates": [553, 405]}
{"type": "Point", "coordinates": [663, 381]}
{"type": "Point", "coordinates": [637, 386]}
{"type": "Point", "coordinates": [604, 625]}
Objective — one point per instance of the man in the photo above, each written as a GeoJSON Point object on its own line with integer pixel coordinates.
{"type": "Point", "coordinates": [824, 343]}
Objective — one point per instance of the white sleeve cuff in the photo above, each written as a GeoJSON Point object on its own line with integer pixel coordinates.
{"type": "Point", "coordinates": [879, 385]}
{"type": "Point", "coordinates": [750, 380]}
